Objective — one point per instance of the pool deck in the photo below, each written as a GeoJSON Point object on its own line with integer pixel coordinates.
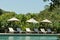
{"type": "Point", "coordinates": [17, 34]}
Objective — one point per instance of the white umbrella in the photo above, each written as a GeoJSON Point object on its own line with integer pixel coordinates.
{"type": "Point", "coordinates": [32, 20]}
{"type": "Point", "coordinates": [13, 19]}
{"type": "Point", "coordinates": [47, 21]}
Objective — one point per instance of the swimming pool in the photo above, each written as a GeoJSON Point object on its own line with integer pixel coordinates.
{"type": "Point", "coordinates": [28, 37]}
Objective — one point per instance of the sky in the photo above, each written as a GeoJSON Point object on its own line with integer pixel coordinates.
{"type": "Point", "coordinates": [23, 6]}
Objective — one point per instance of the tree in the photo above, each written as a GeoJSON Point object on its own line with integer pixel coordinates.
{"type": "Point", "coordinates": [53, 4]}
{"type": "Point", "coordinates": [1, 11]}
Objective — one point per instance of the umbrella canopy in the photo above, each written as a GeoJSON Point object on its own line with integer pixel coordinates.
{"type": "Point", "coordinates": [32, 20]}
{"type": "Point", "coordinates": [47, 21]}
{"type": "Point", "coordinates": [13, 19]}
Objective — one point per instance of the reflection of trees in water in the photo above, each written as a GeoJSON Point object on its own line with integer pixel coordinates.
{"type": "Point", "coordinates": [34, 38]}
{"type": "Point", "coordinates": [10, 38]}
{"type": "Point", "coordinates": [18, 38]}
{"type": "Point", "coordinates": [58, 38]}
{"type": "Point", "coordinates": [27, 38]}
{"type": "Point", "coordinates": [15, 38]}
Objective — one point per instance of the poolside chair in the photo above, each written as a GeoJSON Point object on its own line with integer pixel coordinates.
{"type": "Point", "coordinates": [49, 30]}
{"type": "Point", "coordinates": [43, 30]}
{"type": "Point", "coordinates": [19, 30]}
{"type": "Point", "coordinates": [28, 30]}
{"type": "Point", "coordinates": [11, 30]}
{"type": "Point", "coordinates": [36, 30]}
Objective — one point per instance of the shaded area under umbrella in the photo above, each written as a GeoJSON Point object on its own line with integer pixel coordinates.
{"type": "Point", "coordinates": [45, 22]}
{"type": "Point", "coordinates": [32, 20]}
{"type": "Point", "coordinates": [12, 20]}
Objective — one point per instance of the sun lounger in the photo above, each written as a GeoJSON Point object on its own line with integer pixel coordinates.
{"type": "Point", "coordinates": [36, 30]}
{"type": "Point", "coordinates": [43, 30]}
{"type": "Point", "coordinates": [28, 30]}
{"type": "Point", "coordinates": [19, 30]}
{"type": "Point", "coordinates": [49, 31]}
{"type": "Point", "coordinates": [11, 30]}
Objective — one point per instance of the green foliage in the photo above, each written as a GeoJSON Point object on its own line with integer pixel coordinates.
{"type": "Point", "coordinates": [53, 4]}
{"type": "Point", "coordinates": [53, 16]}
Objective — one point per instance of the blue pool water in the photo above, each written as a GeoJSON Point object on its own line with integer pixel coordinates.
{"type": "Point", "coordinates": [20, 37]}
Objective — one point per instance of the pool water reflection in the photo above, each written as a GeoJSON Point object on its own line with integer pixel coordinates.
{"type": "Point", "coordinates": [29, 38]}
